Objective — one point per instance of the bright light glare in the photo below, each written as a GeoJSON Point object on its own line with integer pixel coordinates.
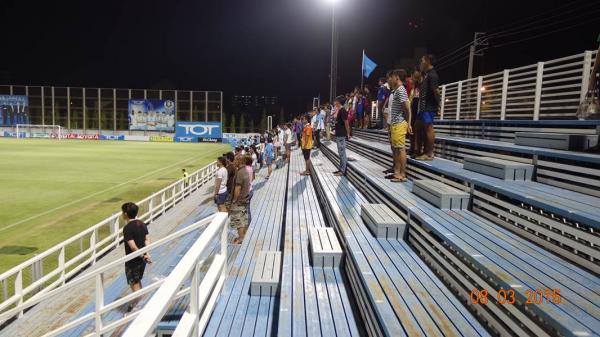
{"type": "Point", "coordinates": [333, 2]}
{"type": "Point", "coordinates": [482, 88]}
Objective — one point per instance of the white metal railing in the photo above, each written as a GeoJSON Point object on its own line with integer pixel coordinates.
{"type": "Point", "coordinates": [217, 228]}
{"type": "Point", "coordinates": [203, 295]}
{"type": "Point", "coordinates": [69, 257]}
{"type": "Point", "coordinates": [546, 90]}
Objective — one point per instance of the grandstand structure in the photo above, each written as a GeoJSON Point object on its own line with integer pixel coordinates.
{"type": "Point", "coordinates": [497, 236]}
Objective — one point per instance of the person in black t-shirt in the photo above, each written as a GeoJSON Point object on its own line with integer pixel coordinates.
{"type": "Point", "coordinates": [135, 234]}
{"type": "Point", "coordinates": [342, 133]}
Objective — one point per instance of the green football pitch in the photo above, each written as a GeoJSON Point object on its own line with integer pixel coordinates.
{"type": "Point", "coordinates": [51, 190]}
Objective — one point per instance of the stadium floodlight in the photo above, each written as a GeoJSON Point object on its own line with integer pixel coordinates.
{"type": "Point", "coordinates": [39, 131]}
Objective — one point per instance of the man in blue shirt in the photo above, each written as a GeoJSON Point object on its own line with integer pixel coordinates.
{"type": "Point", "coordinates": [318, 125]}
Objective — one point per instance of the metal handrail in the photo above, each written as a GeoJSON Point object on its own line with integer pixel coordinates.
{"type": "Point", "coordinates": [215, 224]}
{"type": "Point", "coordinates": [541, 77]}
{"type": "Point", "coordinates": [202, 294]}
{"type": "Point", "coordinates": [151, 207]}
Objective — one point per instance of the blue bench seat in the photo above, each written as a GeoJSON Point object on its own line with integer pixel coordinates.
{"type": "Point", "coordinates": [512, 262]}
{"type": "Point", "coordinates": [398, 290]}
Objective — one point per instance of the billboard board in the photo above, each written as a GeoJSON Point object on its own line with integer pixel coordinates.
{"type": "Point", "coordinates": [14, 109]}
{"type": "Point", "coordinates": [151, 115]}
{"type": "Point", "coordinates": [198, 131]}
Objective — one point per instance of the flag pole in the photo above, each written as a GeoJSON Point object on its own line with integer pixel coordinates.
{"type": "Point", "coordinates": [362, 71]}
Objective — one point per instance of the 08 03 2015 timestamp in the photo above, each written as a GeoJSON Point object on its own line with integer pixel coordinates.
{"type": "Point", "coordinates": [508, 296]}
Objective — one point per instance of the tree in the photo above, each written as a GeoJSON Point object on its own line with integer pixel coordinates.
{"type": "Point", "coordinates": [281, 116]}
{"type": "Point", "coordinates": [263, 120]}
{"type": "Point", "coordinates": [243, 123]}
{"type": "Point", "coordinates": [224, 122]}
{"type": "Point", "coordinates": [232, 127]}
{"type": "Point", "coordinates": [251, 125]}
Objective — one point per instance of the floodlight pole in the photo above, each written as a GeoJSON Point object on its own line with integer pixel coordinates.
{"type": "Point", "coordinates": [333, 73]}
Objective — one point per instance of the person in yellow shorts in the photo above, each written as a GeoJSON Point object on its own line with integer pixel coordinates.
{"type": "Point", "coordinates": [400, 121]}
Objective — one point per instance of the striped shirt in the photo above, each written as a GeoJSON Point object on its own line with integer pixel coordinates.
{"type": "Point", "coordinates": [397, 106]}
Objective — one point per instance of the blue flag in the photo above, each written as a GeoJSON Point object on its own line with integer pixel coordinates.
{"type": "Point", "coordinates": [367, 65]}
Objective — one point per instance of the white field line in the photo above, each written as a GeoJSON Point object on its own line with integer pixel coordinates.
{"type": "Point", "coordinates": [96, 193]}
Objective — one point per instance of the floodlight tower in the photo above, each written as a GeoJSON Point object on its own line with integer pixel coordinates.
{"type": "Point", "coordinates": [334, 38]}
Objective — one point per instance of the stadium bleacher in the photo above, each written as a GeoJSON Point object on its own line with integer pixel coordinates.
{"type": "Point", "coordinates": [520, 236]}
{"type": "Point", "coordinates": [237, 313]}
{"type": "Point", "coordinates": [503, 259]}
{"type": "Point", "coordinates": [563, 221]}
{"type": "Point", "coordinates": [398, 294]}
{"type": "Point", "coordinates": [314, 301]}
{"type": "Point", "coordinates": [571, 170]}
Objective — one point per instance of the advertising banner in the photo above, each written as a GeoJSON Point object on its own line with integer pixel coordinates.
{"type": "Point", "coordinates": [161, 138]}
{"type": "Point", "coordinates": [137, 138]}
{"type": "Point", "coordinates": [112, 137]}
{"type": "Point", "coordinates": [236, 139]}
{"type": "Point", "coordinates": [198, 131]}
{"type": "Point", "coordinates": [14, 109]}
{"type": "Point", "coordinates": [81, 136]}
{"type": "Point", "coordinates": [151, 115]}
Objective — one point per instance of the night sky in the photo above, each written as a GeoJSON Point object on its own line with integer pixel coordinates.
{"type": "Point", "coordinates": [271, 47]}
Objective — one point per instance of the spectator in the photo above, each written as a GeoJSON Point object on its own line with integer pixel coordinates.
{"type": "Point", "coordinates": [416, 139]}
{"type": "Point", "coordinates": [317, 127]}
{"type": "Point", "coordinates": [297, 130]}
{"type": "Point", "coordinates": [254, 158]}
{"type": "Point", "coordinates": [135, 235]}
{"type": "Point", "coordinates": [326, 112]}
{"type": "Point", "coordinates": [287, 141]}
{"type": "Point", "coordinates": [382, 94]}
{"type": "Point", "coordinates": [387, 120]}
{"type": "Point", "coordinates": [185, 177]}
{"type": "Point", "coordinates": [399, 126]}
{"type": "Point", "coordinates": [238, 213]}
{"type": "Point", "coordinates": [230, 177]}
{"type": "Point", "coordinates": [342, 133]}
{"type": "Point", "coordinates": [250, 170]}
{"type": "Point", "coordinates": [276, 142]}
{"type": "Point", "coordinates": [367, 97]}
{"type": "Point", "coordinates": [429, 104]}
{"type": "Point", "coordinates": [269, 156]}
{"type": "Point", "coordinates": [220, 194]}
{"type": "Point", "coordinates": [360, 109]}
{"type": "Point", "coordinates": [307, 143]}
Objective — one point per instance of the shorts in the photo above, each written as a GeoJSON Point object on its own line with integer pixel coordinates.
{"type": "Point", "coordinates": [134, 272]}
{"type": "Point", "coordinates": [238, 215]}
{"type": "Point", "coordinates": [221, 198]}
{"type": "Point", "coordinates": [398, 135]}
{"type": "Point", "coordinates": [360, 115]}
{"type": "Point", "coordinates": [288, 147]}
{"type": "Point", "coordinates": [426, 117]}
{"type": "Point", "coordinates": [268, 160]}
{"type": "Point", "coordinates": [306, 154]}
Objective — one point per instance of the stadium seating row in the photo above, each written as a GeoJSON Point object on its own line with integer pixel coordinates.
{"type": "Point", "coordinates": [473, 253]}
{"type": "Point", "coordinates": [563, 221]}
{"type": "Point", "coordinates": [569, 170]}
{"type": "Point", "coordinates": [397, 292]}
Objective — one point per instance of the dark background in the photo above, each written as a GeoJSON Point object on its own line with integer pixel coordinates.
{"type": "Point", "coordinates": [272, 47]}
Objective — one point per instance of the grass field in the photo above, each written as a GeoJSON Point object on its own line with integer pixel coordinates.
{"type": "Point", "coordinates": [51, 190]}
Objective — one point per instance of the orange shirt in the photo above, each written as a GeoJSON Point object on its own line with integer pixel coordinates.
{"type": "Point", "coordinates": [307, 139]}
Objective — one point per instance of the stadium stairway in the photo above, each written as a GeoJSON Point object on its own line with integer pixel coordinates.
{"type": "Point", "coordinates": [58, 311]}
{"type": "Point", "coordinates": [314, 301]}
{"type": "Point", "coordinates": [398, 294]}
{"type": "Point", "coordinates": [470, 252]}
{"type": "Point", "coordinates": [561, 220]}
{"type": "Point", "coordinates": [236, 312]}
